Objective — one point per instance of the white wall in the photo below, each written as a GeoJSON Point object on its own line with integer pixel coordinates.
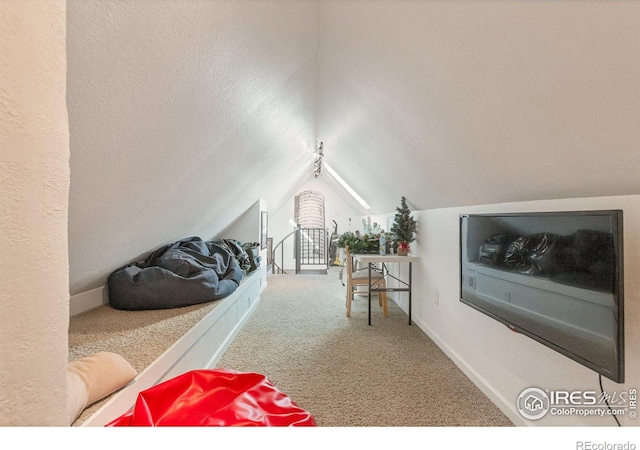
{"type": "Point", "coordinates": [182, 115]}
{"type": "Point", "coordinates": [247, 228]}
{"type": "Point", "coordinates": [501, 362]}
{"type": "Point", "coordinates": [338, 206]}
{"type": "Point", "coordinates": [34, 186]}
{"type": "Point", "coordinates": [446, 102]}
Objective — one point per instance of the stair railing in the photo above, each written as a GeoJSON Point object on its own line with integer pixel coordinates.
{"type": "Point", "coordinates": [279, 269]}
{"type": "Point", "coordinates": [312, 251]}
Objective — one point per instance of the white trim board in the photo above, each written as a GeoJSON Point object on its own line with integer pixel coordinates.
{"type": "Point", "coordinates": [200, 348]}
{"type": "Point", "coordinates": [507, 408]}
{"type": "Point", "coordinates": [85, 301]}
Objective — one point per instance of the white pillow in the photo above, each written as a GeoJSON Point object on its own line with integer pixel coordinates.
{"type": "Point", "coordinates": [77, 396]}
{"type": "Point", "coordinates": [94, 377]}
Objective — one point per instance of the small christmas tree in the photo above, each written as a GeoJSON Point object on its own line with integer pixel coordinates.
{"type": "Point", "coordinates": [404, 227]}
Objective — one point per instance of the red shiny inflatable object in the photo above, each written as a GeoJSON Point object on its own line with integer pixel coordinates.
{"type": "Point", "coordinates": [219, 397]}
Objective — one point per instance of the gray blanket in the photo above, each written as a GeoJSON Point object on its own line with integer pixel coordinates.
{"type": "Point", "coordinates": [187, 272]}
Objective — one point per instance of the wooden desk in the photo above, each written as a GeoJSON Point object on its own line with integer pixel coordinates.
{"type": "Point", "coordinates": [372, 258]}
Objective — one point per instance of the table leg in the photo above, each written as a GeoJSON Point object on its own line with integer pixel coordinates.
{"type": "Point", "coordinates": [369, 293]}
{"type": "Point", "coordinates": [410, 292]}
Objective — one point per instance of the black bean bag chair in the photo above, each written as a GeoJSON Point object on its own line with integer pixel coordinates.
{"type": "Point", "coordinates": [253, 251]}
{"type": "Point", "coordinates": [237, 250]}
{"type": "Point", "coordinates": [247, 254]}
{"type": "Point", "coordinates": [187, 272]}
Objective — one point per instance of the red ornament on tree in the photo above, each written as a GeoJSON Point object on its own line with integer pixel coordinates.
{"type": "Point", "coordinates": [403, 228]}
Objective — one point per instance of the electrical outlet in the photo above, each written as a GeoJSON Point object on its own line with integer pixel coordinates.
{"type": "Point", "coordinates": [436, 299]}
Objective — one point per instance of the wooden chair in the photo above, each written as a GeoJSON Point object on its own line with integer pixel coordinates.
{"type": "Point", "coordinates": [360, 277]}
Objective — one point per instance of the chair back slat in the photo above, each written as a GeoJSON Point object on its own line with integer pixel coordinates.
{"type": "Point", "coordinates": [349, 261]}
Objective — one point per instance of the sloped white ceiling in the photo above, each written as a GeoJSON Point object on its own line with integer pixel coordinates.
{"type": "Point", "coordinates": [455, 103]}
{"type": "Point", "coordinates": [184, 113]}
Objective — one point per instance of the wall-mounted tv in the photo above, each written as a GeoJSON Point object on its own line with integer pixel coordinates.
{"type": "Point", "coordinates": [556, 277]}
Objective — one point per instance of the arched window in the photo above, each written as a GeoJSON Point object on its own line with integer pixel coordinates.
{"type": "Point", "coordinates": [312, 244]}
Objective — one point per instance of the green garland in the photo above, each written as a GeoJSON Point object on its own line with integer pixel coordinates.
{"type": "Point", "coordinates": [403, 230]}
{"type": "Point", "coordinates": [359, 243]}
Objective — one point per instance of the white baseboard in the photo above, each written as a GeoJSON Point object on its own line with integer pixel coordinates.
{"type": "Point", "coordinates": [507, 407]}
{"type": "Point", "coordinates": [85, 301]}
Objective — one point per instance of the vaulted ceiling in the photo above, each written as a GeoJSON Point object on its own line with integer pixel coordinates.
{"type": "Point", "coordinates": [481, 102]}
{"type": "Point", "coordinates": [183, 114]}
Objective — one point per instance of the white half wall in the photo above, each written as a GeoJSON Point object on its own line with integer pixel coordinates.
{"type": "Point", "coordinates": [500, 362]}
{"type": "Point", "coordinates": [244, 229]}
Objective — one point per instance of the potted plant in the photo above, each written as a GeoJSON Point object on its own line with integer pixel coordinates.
{"type": "Point", "coordinates": [404, 228]}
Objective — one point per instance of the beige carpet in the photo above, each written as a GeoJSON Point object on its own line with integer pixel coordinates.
{"type": "Point", "coordinates": [138, 336]}
{"type": "Point", "coordinates": [347, 373]}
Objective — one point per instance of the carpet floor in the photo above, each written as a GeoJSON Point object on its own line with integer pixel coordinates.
{"type": "Point", "coordinates": [347, 373]}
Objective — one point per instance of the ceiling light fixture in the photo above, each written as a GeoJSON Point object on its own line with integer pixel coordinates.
{"type": "Point", "coordinates": [318, 154]}
{"type": "Point", "coordinates": [348, 188]}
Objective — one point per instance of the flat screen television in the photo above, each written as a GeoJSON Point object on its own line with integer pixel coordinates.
{"type": "Point", "coordinates": [556, 277]}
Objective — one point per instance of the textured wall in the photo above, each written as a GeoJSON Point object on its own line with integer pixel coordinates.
{"type": "Point", "coordinates": [455, 103]}
{"type": "Point", "coordinates": [34, 186]}
{"type": "Point", "coordinates": [503, 362]}
{"type": "Point", "coordinates": [182, 115]}
{"type": "Point", "coordinates": [186, 113]}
